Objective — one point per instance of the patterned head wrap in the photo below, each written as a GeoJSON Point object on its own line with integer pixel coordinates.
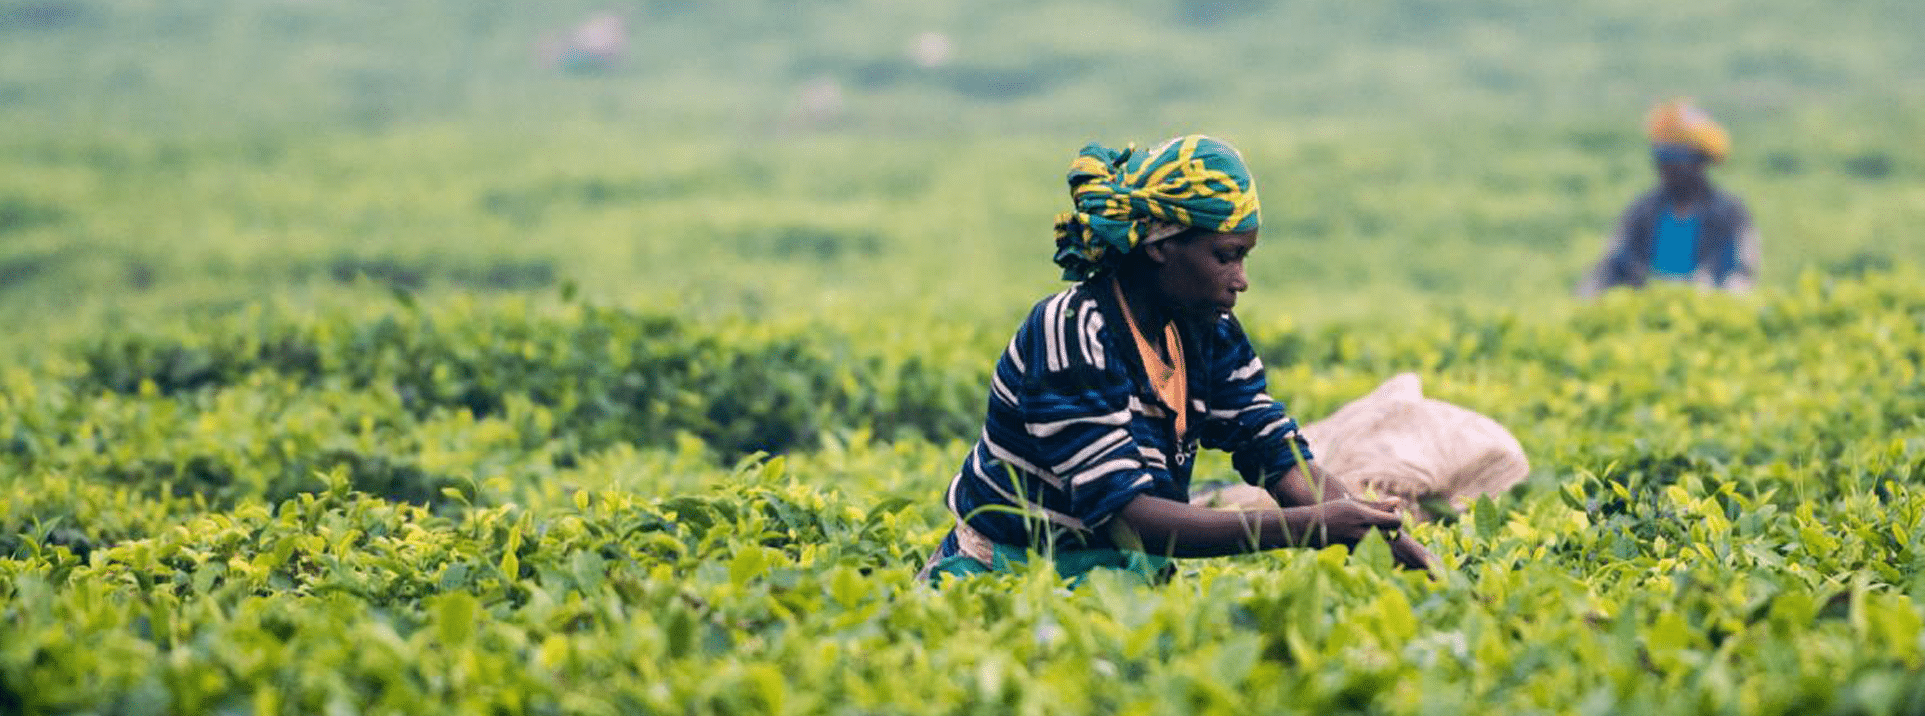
{"type": "Point", "coordinates": [1129, 198]}
{"type": "Point", "coordinates": [1680, 122]}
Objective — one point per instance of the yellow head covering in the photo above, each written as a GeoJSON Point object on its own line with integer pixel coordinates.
{"type": "Point", "coordinates": [1681, 122]}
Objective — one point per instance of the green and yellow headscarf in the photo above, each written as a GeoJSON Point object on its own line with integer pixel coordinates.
{"type": "Point", "coordinates": [1125, 199]}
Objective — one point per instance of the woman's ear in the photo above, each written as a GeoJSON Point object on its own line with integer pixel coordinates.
{"type": "Point", "coordinates": [1158, 252]}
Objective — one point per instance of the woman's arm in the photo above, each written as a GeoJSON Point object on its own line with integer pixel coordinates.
{"type": "Point", "coordinates": [1612, 269]}
{"type": "Point", "coordinates": [1179, 529]}
{"type": "Point", "coordinates": [1743, 272]}
{"type": "Point", "coordinates": [1264, 441]}
{"type": "Point", "coordinates": [1294, 489]}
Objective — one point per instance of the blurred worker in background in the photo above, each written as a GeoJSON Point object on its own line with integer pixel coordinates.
{"type": "Point", "coordinates": [1684, 230]}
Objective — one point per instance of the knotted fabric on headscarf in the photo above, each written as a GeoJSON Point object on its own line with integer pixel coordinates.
{"type": "Point", "coordinates": [1125, 199]}
{"type": "Point", "coordinates": [1680, 122]}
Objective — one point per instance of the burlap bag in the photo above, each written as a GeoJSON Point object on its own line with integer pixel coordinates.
{"type": "Point", "coordinates": [1395, 441]}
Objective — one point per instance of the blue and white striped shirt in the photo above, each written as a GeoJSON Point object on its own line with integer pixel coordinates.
{"type": "Point", "coordinates": [1074, 431]}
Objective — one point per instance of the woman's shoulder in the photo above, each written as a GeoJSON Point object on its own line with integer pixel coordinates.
{"type": "Point", "coordinates": [1068, 329]}
{"type": "Point", "coordinates": [1077, 303]}
{"type": "Point", "coordinates": [1728, 204]}
{"type": "Point", "coordinates": [1066, 300]}
{"type": "Point", "coordinates": [1644, 205]}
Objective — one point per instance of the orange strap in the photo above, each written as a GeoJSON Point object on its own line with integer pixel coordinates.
{"type": "Point", "coordinates": [1170, 381]}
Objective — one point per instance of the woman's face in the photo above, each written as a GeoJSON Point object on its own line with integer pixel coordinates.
{"type": "Point", "coordinates": [1680, 168]}
{"type": "Point", "coordinates": [1200, 275]}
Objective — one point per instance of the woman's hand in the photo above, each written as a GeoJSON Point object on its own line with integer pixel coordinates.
{"type": "Point", "coordinates": [1411, 555]}
{"type": "Point", "coordinates": [1348, 524]}
{"type": "Point", "coordinates": [1346, 521]}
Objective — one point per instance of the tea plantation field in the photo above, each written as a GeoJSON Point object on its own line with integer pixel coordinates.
{"type": "Point", "coordinates": [563, 509]}
{"type": "Point", "coordinates": [354, 360]}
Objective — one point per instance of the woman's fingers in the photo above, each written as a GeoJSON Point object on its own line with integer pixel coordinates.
{"type": "Point", "coordinates": [1349, 520]}
{"type": "Point", "coordinates": [1387, 504]}
{"type": "Point", "coordinates": [1412, 555]}
{"type": "Point", "coordinates": [1383, 519]}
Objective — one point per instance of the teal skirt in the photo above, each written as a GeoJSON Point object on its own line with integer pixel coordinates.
{"type": "Point", "coordinates": [1074, 565]}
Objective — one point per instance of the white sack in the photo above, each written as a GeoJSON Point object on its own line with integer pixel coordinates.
{"type": "Point", "coordinates": [1395, 441]}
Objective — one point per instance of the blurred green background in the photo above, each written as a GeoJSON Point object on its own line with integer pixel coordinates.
{"type": "Point", "coordinates": [165, 160]}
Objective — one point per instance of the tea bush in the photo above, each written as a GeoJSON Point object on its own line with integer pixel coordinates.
{"type": "Point", "coordinates": [407, 513]}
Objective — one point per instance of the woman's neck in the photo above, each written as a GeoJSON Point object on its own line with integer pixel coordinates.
{"type": "Point", "coordinates": [1144, 308]}
{"type": "Point", "coordinates": [1685, 199]}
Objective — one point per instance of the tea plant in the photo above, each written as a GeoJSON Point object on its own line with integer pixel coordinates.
{"type": "Point", "coordinates": [1723, 517]}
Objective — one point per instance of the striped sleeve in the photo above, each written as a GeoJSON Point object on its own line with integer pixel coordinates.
{"type": "Point", "coordinates": [1075, 409]}
{"type": "Point", "coordinates": [1242, 418]}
